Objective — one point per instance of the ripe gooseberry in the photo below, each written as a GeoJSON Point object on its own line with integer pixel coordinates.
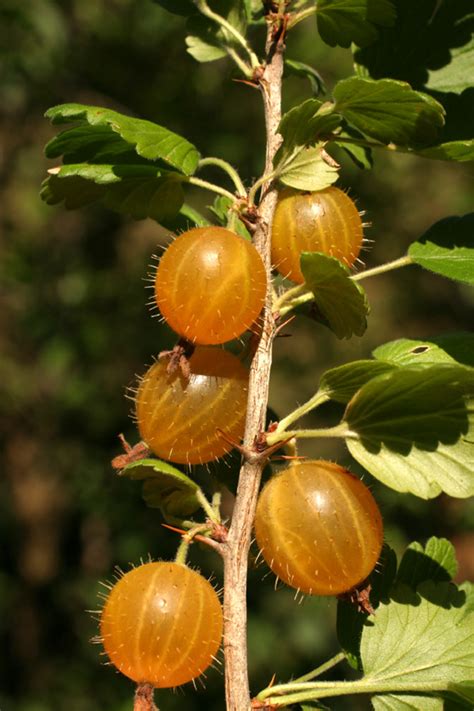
{"type": "Point", "coordinates": [210, 285]}
{"type": "Point", "coordinates": [319, 528]}
{"type": "Point", "coordinates": [324, 221]}
{"type": "Point", "coordinates": [161, 624]}
{"type": "Point", "coordinates": [179, 418]}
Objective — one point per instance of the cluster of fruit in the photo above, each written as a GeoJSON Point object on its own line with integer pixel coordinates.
{"type": "Point", "coordinates": [318, 526]}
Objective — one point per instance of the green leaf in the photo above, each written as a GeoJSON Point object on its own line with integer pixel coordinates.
{"type": "Point", "coordinates": [165, 487]}
{"type": "Point", "coordinates": [446, 348]}
{"type": "Point", "coordinates": [307, 169]}
{"type": "Point", "coordinates": [412, 407]}
{"type": "Point", "coordinates": [423, 472]}
{"type": "Point", "coordinates": [138, 190]}
{"type": "Point", "coordinates": [147, 139]}
{"type": "Point", "coordinates": [194, 215]}
{"type": "Point", "coordinates": [447, 248]}
{"type": "Point", "coordinates": [460, 151]}
{"type": "Point", "coordinates": [351, 620]}
{"type": "Point", "coordinates": [221, 207]}
{"type": "Point", "coordinates": [360, 155]}
{"type": "Point", "coordinates": [341, 302]}
{"type": "Point", "coordinates": [406, 351]}
{"type": "Point", "coordinates": [428, 639]}
{"type": "Point", "coordinates": [342, 383]}
{"type": "Point", "coordinates": [308, 72]}
{"type": "Point", "coordinates": [389, 111]}
{"type": "Point", "coordinates": [436, 561]}
{"type": "Point", "coordinates": [207, 41]}
{"type": "Point", "coordinates": [457, 75]}
{"type": "Point", "coordinates": [305, 124]}
{"type": "Point", "coordinates": [427, 35]}
{"type": "Point", "coordinates": [178, 7]}
{"type": "Point", "coordinates": [341, 22]}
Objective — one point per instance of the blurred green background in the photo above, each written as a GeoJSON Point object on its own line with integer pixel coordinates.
{"type": "Point", "coordinates": [75, 328]}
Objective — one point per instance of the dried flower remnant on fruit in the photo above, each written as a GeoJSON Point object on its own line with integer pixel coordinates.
{"type": "Point", "coordinates": [181, 419]}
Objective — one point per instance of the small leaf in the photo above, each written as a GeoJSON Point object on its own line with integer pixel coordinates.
{"type": "Point", "coordinates": [308, 72]}
{"type": "Point", "coordinates": [207, 41]}
{"type": "Point", "coordinates": [406, 352]}
{"type": "Point", "coordinates": [389, 111]}
{"type": "Point", "coordinates": [447, 248]}
{"type": "Point", "coordinates": [137, 190]}
{"type": "Point", "coordinates": [148, 139]}
{"type": "Point", "coordinates": [460, 151]}
{"type": "Point", "coordinates": [221, 208]}
{"type": "Point", "coordinates": [341, 302]}
{"type": "Point", "coordinates": [341, 22]}
{"type": "Point", "coordinates": [307, 170]}
{"type": "Point", "coordinates": [342, 383]}
{"type": "Point", "coordinates": [304, 124]}
{"type": "Point", "coordinates": [165, 487]}
{"type": "Point", "coordinates": [178, 7]}
{"type": "Point", "coordinates": [427, 639]}
{"type": "Point", "coordinates": [436, 561]}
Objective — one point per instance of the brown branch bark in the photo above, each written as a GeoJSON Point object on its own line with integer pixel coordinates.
{"type": "Point", "coordinates": [239, 536]}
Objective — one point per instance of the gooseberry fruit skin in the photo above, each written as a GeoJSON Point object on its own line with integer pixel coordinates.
{"type": "Point", "coordinates": [161, 624]}
{"type": "Point", "coordinates": [179, 418]}
{"type": "Point", "coordinates": [210, 285]}
{"type": "Point", "coordinates": [319, 528]}
{"type": "Point", "coordinates": [324, 221]}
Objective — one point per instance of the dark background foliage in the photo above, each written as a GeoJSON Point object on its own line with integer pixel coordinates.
{"type": "Point", "coordinates": [75, 328]}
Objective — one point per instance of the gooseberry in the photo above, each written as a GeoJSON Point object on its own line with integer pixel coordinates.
{"type": "Point", "coordinates": [319, 528]}
{"type": "Point", "coordinates": [210, 285]}
{"type": "Point", "coordinates": [324, 221]}
{"type": "Point", "coordinates": [182, 419]}
{"type": "Point", "coordinates": [161, 624]}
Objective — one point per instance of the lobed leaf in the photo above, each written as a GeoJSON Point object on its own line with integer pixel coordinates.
{"type": "Point", "coordinates": [341, 22]}
{"type": "Point", "coordinates": [460, 151]}
{"type": "Point", "coordinates": [407, 352]}
{"type": "Point", "coordinates": [342, 383]}
{"type": "Point", "coordinates": [148, 140]}
{"type": "Point", "coordinates": [307, 169]}
{"type": "Point", "coordinates": [207, 41]}
{"type": "Point", "coordinates": [340, 301]}
{"type": "Point", "coordinates": [447, 248]}
{"type": "Point", "coordinates": [436, 561]}
{"type": "Point", "coordinates": [456, 75]}
{"type": "Point", "coordinates": [165, 487]}
{"type": "Point", "coordinates": [427, 639]}
{"type": "Point", "coordinates": [138, 190]}
{"type": "Point", "coordinates": [389, 111]}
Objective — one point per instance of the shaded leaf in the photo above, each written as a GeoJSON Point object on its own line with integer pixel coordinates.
{"type": "Point", "coordinates": [436, 561]}
{"type": "Point", "coordinates": [447, 248]}
{"type": "Point", "coordinates": [340, 301]}
{"type": "Point", "coordinates": [206, 40]}
{"type": "Point", "coordinates": [460, 151]}
{"type": "Point", "coordinates": [389, 111]}
{"type": "Point", "coordinates": [412, 407]}
{"type": "Point", "coordinates": [148, 139]}
{"type": "Point", "coordinates": [457, 74]}
{"type": "Point", "coordinates": [138, 190]}
{"type": "Point", "coordinates": [165, 487]}
{"type": "Point", "coordinates": [305, 124]}
{"type": "Point", "coordinates": [308, 72]}
{"type": "Point", "coordinates": [342, 383]}
{"type": "Point", "coordinates": [221, 208]}
{"type": "Point", "coordinates": [427, 639]}
{"type": "Point", "coordinates": [341, 22]}
{"type": "Point", "coordinates": [424, 36]}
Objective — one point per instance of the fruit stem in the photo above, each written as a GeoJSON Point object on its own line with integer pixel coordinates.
{"type": "Point", "coordinates": [237, 545]}
{"type": "Point", "coordinates": [229, 169]}
{"type": "Point", "coordinates": [265, 178]}
{"type": "Point", "coordinates": [211, 510]}
{"type": "Point", "coordinates": [339, 657]}
{"type": "Point", "coordinates": [204, 8]}
{"type": "Point", "coordinates": [210, 186]}
{"type": "Point", "coordinates": [383, 268]}
{"type": "Point", "coordinates": [311, 404]}
{"type": "Point", "coordinates": [340, 430]}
